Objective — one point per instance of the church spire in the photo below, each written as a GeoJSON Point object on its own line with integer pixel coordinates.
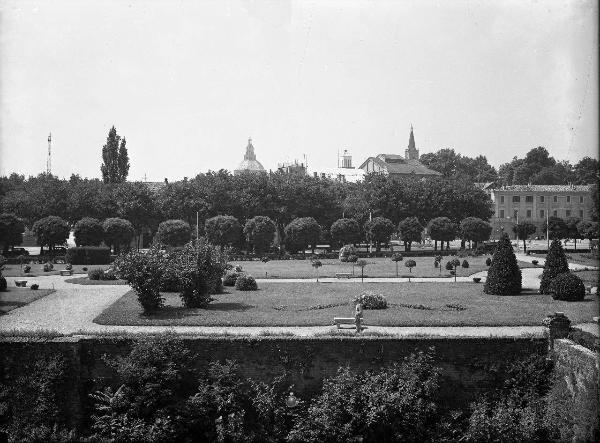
{"type": "Point", "coordinates": [412, 153]}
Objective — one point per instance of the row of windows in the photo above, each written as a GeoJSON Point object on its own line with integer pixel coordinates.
{"type": "Point", "coordinates": [542, 198]}
{"type": "Point", "coordinates": [568, 213]}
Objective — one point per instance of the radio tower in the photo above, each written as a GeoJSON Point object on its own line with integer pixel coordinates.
{"type": "Point", "coordinates": [49, 161]}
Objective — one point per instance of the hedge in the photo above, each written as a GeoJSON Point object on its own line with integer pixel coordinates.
{"type": "Point", "coordinates": [88, 255]}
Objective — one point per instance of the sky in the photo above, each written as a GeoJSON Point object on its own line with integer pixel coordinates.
{"type": "Point", "coordinates": [187, 82]}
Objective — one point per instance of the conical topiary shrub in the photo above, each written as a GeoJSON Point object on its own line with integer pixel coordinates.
{"type": "Point", "coordinates": [504, 275]}
{"type": "Point", "coordinates": [556, 263]}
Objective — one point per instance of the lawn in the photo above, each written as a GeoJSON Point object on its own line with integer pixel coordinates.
{"type": "Point", "coordinates": [17, 297]}
{"type": "Point", "coordinates": [87, 282]}
{"type": "Point", "coordinates": [315, 304]}
{"type": "Point", "coordinates": [37, 270]}
{"type": "Point", "coordinates": [585, 258]}
{"type": "Point", "coordinates": [590, 278]}
{"type": "Point", "coordinates": [376, 267]}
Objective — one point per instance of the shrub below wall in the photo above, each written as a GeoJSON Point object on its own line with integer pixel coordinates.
{"type": "Point", "coordinates": [88, 255]}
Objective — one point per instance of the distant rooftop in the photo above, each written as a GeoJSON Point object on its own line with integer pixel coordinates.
{"type": "Point", "coordinates": [546, 188]}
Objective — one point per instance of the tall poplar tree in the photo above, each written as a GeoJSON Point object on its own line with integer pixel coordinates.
{"type": "Point", "coordinates": [115, 160]}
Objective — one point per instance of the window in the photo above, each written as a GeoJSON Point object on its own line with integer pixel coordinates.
{"type": "Point", "coordinates": [568, 199]}
{"type": "Point", "coordinates": [501, 199]}
{"type": "Point", "coordinates": [568, 213]}
{"type": "Point", "coordinates": [516, 199]}
{"type": "Point", "coordinates": [581, 199]}
{"type": "Point", "coordinates": [542, 214]}
{"type": "Point", "coordinates": [529, 199]}
{"type": "Point", "coordinates": [581, 214]}
{"type": "Point", "coordinates": [542, 199]}
{"type": "Point", "coordinates": [555, 213]}
{"type": "Point", "coordinates": [529, 213]}
{"type": "Point", "coordinates": [555, 199]}
{"type": "Point", "coordinates": [516, 213]}
{"type": "Point", "coordinates": [501, 213]}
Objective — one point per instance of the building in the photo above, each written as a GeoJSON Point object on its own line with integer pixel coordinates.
{"type": "Point", "coordinates": [344, 171]}
{"type": "Point", "coordinates": [292, 168]}
{"type": "Point", "coordinates": [398, 166]}
{"type": "Point", "coordinates": [250, 163]}
{"type": "Point", "coordinates": [535, 203]}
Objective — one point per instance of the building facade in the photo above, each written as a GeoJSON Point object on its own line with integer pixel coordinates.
{"type": "Point", "coordinates": [535, 203]}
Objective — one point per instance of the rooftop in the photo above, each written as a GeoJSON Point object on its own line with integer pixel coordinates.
{"type": "Point", "coordinates": [546, 188]}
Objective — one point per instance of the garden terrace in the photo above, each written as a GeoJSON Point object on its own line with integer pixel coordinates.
{"type": "Point", "coordinates": [316, 304]}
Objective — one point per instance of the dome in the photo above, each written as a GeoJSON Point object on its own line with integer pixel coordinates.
{"type": "Point", "coordinates": [250, 163]}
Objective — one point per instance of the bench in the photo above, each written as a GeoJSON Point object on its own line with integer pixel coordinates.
{"type": "Point", "coordinates": [64, 272]}
{"type": "Point", "coordinates": [20, 283]}
{"type": "Point", "coordinates": [346, 321]}
{"type": "Point", "coordinates": [343, 275]}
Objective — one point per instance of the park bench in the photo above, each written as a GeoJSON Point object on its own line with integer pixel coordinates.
{"type": "Point", "coordinates": [20, 283]}
{"type": "Point", "coordinates": [64, 272]}
{"type": "Point", "coordinates": [343, 275]}
{"type": "Point", "coordinates": [346, 321]}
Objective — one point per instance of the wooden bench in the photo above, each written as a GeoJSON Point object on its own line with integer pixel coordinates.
{"type": "Point", "coordinates": [346, 321]}
{"type": "Point", "coordinates": [64, 272]}
{"type": "Point", "coordinates": [20, 283]}
{"type": "Point", "coordinates": [343, 275]}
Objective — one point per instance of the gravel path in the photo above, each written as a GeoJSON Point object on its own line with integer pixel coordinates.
{"type": "Point", "coordinates": [72, 308]}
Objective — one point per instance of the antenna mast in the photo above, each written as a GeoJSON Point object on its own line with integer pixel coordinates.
{"type": "Point", "coordinates": [49, 160]}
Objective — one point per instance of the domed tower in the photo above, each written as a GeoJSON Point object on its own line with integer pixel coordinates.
{"type": "Point", "coordinates": [249, 164]}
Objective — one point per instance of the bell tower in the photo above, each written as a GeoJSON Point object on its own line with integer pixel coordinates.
{"type": "Point", "coordinates": [411, 153]}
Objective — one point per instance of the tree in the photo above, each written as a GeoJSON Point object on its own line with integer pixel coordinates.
{"type": "Point", "coordinates": [51, 231]}
{"type": "Point", "coordinates": [589, 230]}
{"type": "Point", "coordinates": [317, 264]}
{"type": "Point", "coordinates": [504, 276]}
{"type": "Point", "coordinates": [302, 232]}
{"type": "Point", "coordinates": [379, 230]}
{"type": "Point", "coordinates": [345, 231]}
{"type": "Point", "coordinates": [260, 232]}
{"type": "Point", "coordinates": [556, 263]}
{"type": "Point", "coordinates": [556, 228]}
{"type": "Point", "coordinates": [587, 171]}
{"type": "Point", "coordinates": [88, 232]}
{"type": "Point", "coordinates": [410, 230]}
{"type": "Point", "coordinates": [475, 229]}
{"type": "Point", "coordinates": [571, 230]}
{"type": "Point", "coordinates": [523, 231]}
{"type": "Point", "coordinates": [361, 264]}
{"type": "Point", "coordinates": [118, 232]}
{"type": "Point", "coordinates": [11, 231]}
{"type": "Point", "coordinates": [396, 258]}
{"type": "Point", "coordinates": [442, 229]}
{"type": "Point", "coordinates": [115, 160]}
{"type": "Point", "coordinates": [174, 232]}
{"type": "Point", "coordinates": [222, 230]}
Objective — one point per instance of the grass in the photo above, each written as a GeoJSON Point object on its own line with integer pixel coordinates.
{"type": "Point", "coordinates": [590, 278]}
{"type": "Point", "coordinates": [376, 267]}
{"type": "Point", "coordinates": [315, 304]}
{"type": "Point", "coordinates": [87, 282]}
{"type": "Point", "coordinates": [37, 270]}
{"type": "Point", "coordinates": [17, 297]}
{"type": "Point", "coordinates": [585, 258]}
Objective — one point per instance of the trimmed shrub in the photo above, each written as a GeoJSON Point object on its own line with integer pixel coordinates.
{"type": "Point", "coordinates": [48, 267]}
{"type": "Point", "coordinates": [100, 274]}
{"type": "Point", "coordinates": [410, 264]}
{"type": "Point", "coordinates": [26, 269]}
{"type": "Point", "coordinates": [3, 284]}
{"type": "Point", "coordinates": [567, 287]}
{"type": "Point", "coordinates": [230, 278]}
{"type": "Point", "coordinates": [88, 255]}
{"type": "Point", "coordinates": [174, 232]}
{"type": "Point", "coordinates": [84, 269]}
{"type": "Point", "coordinates": [465, 264]}
{"type": "Point", "coordinates": [488, 261]}
{"type": "Point", "coordinates": [504, 276]}
{"type": "Point", "coordinates": [371, 300]}
{"type": "Point", "coordinates": [246, 283]}
{"type": "Point", "coordinates": [88, 232]}
{"type": "Point", "coordinates": [556, 263]}
{"type": "Point", "coordinates": [35, 286]}
{"type": "Point", "coordinates": [69, 267]}
{"type": "Point", "coordinates": [534, 262]}
{"type": "Point", "coordinates": [449, 266]}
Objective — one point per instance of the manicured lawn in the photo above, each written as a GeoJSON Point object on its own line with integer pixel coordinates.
{"type": "Point", "coordinates": [377, 267]}
{"type": "Point", "coordinates": [86, 281]}
{"type": "Point", "coordinates": [590, 278]}
{"type": "Point", "coordinates": [586, 258]}
{"type": "Point", "coordinates": [306, 304]}
{"type": "Point", "coordinates": [37, 270]}
{"type": "Point", "coordinates": [17, 297]}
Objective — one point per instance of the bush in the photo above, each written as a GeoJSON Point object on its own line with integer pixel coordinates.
{"type": "Point", "coordinates": [488, 261]}
{"type": "Point", "coordinates": [35, 286]}
{"type": "Point", "coordinates": [26, 269]}
{"type": "Point", "coordinates": [504, 276]}
{"type": "Point", "coordinates": [410, 264]}
{"type": "Point", "coordinates": [556, 263]}
{"type": "Point", "coordinates": [371, 300]}
{"type": "Point", "coordinates": [3, 284]}
{"type": "Point", "coordinates": [88, 232]}
{"type": "Point", "coordinates": [346, 251]}
{"type": "Point", "coordinates": [69, 267]}
{"type": "Point", "coordinates": [100, 274]}
{"type": "Point", "coordinates": [88, 255]}
{"type": "Point", "coordinates": [84, 269]}
{"type": "Point", "coordinates": [48, 267]}
{"type": "Point", "coordinates": [465, 264]}
{"type": "Point", "coordinates": [230, 278]}
{"type": "Point", "coordinates": [534, 262]}
{"type": "Point", "coordinates": [449, 266]}
{"type": "Point", "coordinates": [174, 232]}
{"type": "Point", "coordinates": [245, 283]}
{"type": "Point", "coordinates": [568, 287]}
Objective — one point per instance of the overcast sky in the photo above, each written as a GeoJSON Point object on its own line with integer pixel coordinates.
{"type": "Point", "coordinates": [188, 82]}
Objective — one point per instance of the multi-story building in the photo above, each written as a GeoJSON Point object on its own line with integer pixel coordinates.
{"type": "Point", "coordinates": [535, 203]}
